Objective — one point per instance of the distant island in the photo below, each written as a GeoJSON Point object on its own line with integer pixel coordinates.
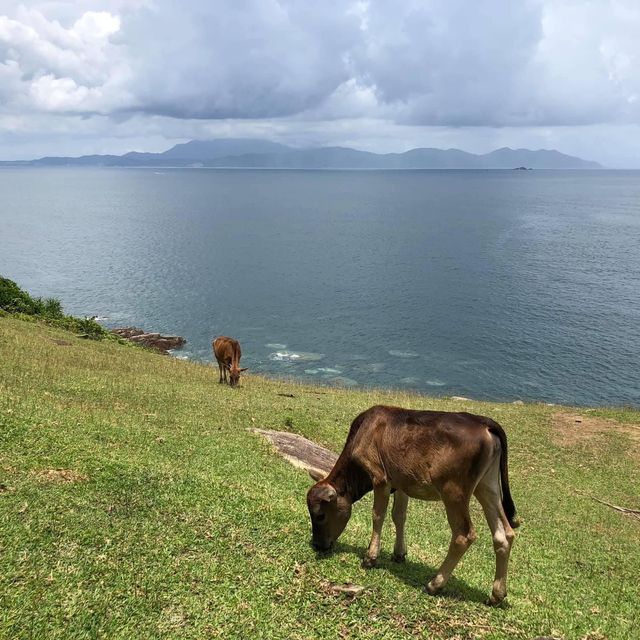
{"type": "Point", "coordinates": [262, 154]}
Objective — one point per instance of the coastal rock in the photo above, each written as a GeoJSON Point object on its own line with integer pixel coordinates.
{"type": "Point", "coordinates": [128, 332]}
{"type": "Point", "coordinates": [156, 341]}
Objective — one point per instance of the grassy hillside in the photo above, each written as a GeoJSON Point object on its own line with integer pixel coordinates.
{"type": "Point", "coordinates": [134, 503]}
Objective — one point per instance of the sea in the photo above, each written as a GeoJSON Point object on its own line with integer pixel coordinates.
{"type": "Point", "coordinates": [496, 285]}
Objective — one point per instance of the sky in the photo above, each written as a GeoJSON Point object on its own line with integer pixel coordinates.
{"type": "Point", "coordinates": [111, 76]}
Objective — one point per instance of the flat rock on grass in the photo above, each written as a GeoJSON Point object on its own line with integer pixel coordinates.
{"type": "Point", "coordinates": [299, 451]}
{"type": "Point", "coordinates": [348, 590]}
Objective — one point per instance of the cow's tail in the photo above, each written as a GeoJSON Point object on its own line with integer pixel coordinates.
{"type": "Point", "coordinates": [507, 501]}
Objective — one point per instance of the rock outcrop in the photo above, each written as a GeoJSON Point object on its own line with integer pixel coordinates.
{"type": "Point", "coordinates": [155, 341]}
{"type": "Point", "coordinates": [299, 451]}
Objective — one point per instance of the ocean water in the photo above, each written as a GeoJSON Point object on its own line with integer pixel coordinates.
{"type": "Point", "coordinates": [489, 284]}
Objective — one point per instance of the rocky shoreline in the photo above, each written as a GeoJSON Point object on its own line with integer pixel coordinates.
{"type": "Point", "coordinates": [156, 341]}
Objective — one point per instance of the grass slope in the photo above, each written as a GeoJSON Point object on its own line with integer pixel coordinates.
{"type": "Point", "coordinates": [174, 521]}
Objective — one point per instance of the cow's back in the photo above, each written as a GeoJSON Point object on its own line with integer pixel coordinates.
{"type": "Point", "coordinates": [226, 350]}
{"type": "Point", "coordinates": [418, 450]}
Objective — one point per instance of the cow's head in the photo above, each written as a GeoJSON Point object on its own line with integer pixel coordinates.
{"type": "Point", "coordinates": [234, 374]}
{"type": "Point", "coordinates": [329, 513]}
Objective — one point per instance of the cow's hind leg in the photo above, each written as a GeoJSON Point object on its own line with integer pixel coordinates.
{"type": "Point", "coordinates": [462, 536]}
{"type": "Point", "coordinates": [220, 372]}
{"type": "Point", "coordinates": [489, 495]}
{"type": "Point", "coordinates": [399, 515]}
{"type": "Point", "coordinates": [380, 502]}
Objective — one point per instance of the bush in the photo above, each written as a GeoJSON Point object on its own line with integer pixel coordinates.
{"type": "Point", "coordinates": [16, 301]}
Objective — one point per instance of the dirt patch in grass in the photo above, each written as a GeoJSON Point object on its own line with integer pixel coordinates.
{"type": "Point", "coordinates": [61, 343]}
{"type": "Point", "coordinates": [60, 476]}
{"type": "Point", "coordinates": [573, 428]}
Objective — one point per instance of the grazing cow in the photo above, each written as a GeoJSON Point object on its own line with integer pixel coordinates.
{"type": "Point", "coordinates": [429, 455]}
{"type": "Point", "coordinates": [227, 352]}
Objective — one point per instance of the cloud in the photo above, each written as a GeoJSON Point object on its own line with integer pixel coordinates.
{"type": "Point", "coordinates": [427, 62]}
{"type": "Point", "coordinates": [46, 67]}
{"type": "Point", "coordinates": [449, 62]}
{"type": "Point", "coordinates": [249, 59]}
{"type": "Point", "coordinates": [499, 63]}
{"type": "Point", "coordinates": [290, 67]}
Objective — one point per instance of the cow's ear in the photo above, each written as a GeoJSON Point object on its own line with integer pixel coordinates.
{"type": "Point", "coordinates": [326, 493]}
{"type": "Point", "coordinates": [244, 369]}
{"type": "Point", "coordinates": [228, 365]}
{"type": "Point", "coordinates": [316, 474]}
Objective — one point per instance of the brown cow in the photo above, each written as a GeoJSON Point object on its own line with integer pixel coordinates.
{"type": "Point", "coordinates": [227, 352]}
{"type": "Point", "coordinates": [429, 455]}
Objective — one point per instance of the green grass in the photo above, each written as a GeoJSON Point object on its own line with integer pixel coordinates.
{"type": "Point", "coordinates": [183, 524]}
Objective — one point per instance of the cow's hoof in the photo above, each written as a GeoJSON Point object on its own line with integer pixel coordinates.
{"type": "Point", "coordinates": [495, 600]}
{"type": "Point", "coordinates": [432, 589]}
{"type": "Point", "coordinates": [369, 563]}
{"type": "Point", "coordinates": [399, 557]}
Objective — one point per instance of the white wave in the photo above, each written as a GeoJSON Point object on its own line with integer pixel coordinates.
{"type": "Point", "coordinates": [328, 370]}
{"type": "Point", "coordinates": [435, 383]}
{"type": "Point", "coordinates": [403, 354]}
{"type": "Point", "coordinates": [292, 356]}
{"type": "Point", "coordinates": [412, 380]}
{"type": "Point", "coordinates": [180, 355]}
{"type": "Point", "coordinates": [275, 345]}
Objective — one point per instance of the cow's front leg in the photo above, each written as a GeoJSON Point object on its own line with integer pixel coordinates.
{"type": "Point", "coordinates": [399, 515]}
{"type": "Point", "coordinates": [220, 372]}
{"type": "Point", "coordinates": [380, 503]}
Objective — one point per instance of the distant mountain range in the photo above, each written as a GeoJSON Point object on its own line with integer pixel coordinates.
{"type": "Point", "coordinates": [262, 154]}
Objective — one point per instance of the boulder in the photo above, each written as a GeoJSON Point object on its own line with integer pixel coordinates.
{"type": "Point", "coordinates": [299, 451]}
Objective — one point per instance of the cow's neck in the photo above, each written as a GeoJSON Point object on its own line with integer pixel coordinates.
{"type": "Point", "coordinates": [350, 479]}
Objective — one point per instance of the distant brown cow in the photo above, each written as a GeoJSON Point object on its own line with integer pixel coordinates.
{"type": "Point", "coordinates": [227, 352]}
{"type": "Point", "coordinates": [429, 455]}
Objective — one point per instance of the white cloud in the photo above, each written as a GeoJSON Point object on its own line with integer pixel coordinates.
{"type": "Point", "coordinates": [56, 68]}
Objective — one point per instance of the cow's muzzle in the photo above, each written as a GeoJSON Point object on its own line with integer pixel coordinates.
{"type": "Point", "coordinates": [321, 546]}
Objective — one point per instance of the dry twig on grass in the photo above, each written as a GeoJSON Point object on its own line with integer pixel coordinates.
{"type": "Point", "coordinates": [634, 513]}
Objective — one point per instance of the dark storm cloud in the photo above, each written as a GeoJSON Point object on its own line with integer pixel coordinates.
{"type": "Point", "coordinates": [240, 59]}
{"type": "Point", "coordinates": [451, 62]}
{"type": "Point", "coordinates": [427, 62]}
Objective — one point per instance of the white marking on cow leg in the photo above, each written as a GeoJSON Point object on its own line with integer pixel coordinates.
{"type": "Point", "coordinates": [380, 502]}
{"type": "Point", "coordinates": [462, 536]}
{"type": "Point", "coordinates": [399, 515]}
{"type": "Point", "coordinates": [489, 495]}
